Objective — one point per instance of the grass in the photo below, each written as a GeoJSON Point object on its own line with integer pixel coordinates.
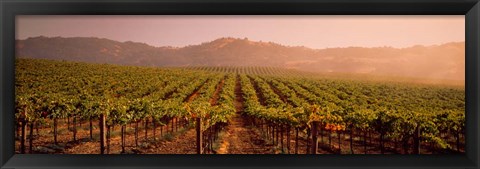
{"type": "Point", "coordinates": [168, 136]}
{"type": "Point", "coordinates": [217, 143]}
{"type": "Point", "coordinates": [144, 144]}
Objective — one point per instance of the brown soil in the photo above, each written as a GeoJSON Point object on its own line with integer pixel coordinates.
{"type": "Point", "coordinates": [240, 138]}
{"type": "Point", "coordinates": [239, 100]}
{"type": "Point", "coordinates": [261, 98]}
{"type": "Point", "coordinates": [184, 143]}
{"type": "Point", "coordinates": [216, 95]}
{"type": "Point", "coordinates": [194, 94]}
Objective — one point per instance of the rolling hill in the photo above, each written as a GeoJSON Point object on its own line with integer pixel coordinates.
{"type": "Point", "coordinates": [444, 61]}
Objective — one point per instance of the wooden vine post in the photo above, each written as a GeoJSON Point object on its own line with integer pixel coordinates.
{"type": "Point", "coordinates": [91, 128]}
{"type": "Point", "coordinates": [288, 139]}
{"type": "Point", "coordinates": [55, 132]}
{"type": "Point", "coordinates": [416, 141]}
{"type": "Point", "coordinates": [199, 135]}
{"type": "Point", "coordinates": [24, 137]}
{"type": "Point", "coordinates": [102, 134]}
{"type": "Point", "coordinates": [314, 137]}
{"type": "Point", "coordinates": [30, 146]}
{"type": "Point", "coordinates": [296, 140]}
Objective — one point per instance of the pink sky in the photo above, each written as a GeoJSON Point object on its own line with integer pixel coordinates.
{"type": "Point", "coordinates": [320, 31]}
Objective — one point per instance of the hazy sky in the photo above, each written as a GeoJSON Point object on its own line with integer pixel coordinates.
{"type": "Point", "coordinates": [310, 31]}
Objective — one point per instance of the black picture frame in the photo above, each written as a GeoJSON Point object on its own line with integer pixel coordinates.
{"type": "Point", "coordinates": [10, 8]}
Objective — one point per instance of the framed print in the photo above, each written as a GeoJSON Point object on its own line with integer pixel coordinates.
{"type": "Point", "coordinates": [252, 84]}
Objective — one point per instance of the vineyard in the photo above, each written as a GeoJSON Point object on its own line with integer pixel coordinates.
{"type": "Point", "coordinates": [81, 108]}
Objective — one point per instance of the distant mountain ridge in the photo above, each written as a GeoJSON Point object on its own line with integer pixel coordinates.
{"type": "Point", "coordinates": [445, 61]}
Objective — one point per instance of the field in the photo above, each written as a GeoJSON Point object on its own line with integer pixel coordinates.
{"type": "Point", "coordinates": [80, 108]}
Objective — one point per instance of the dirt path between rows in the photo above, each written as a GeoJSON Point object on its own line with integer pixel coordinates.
{"type": "Point", "coordinates": [216, 95]}
{"type": "Point", "coordinates": [239, 137]}
{"type": "Point", "coordinates": [183, 143]}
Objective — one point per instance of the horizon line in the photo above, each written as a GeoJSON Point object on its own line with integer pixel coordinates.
{"type": "Point", "coordinates": [258, 41]}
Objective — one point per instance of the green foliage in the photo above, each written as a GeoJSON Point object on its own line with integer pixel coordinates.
{"type": "Point", "coordinates": [126, 94]}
